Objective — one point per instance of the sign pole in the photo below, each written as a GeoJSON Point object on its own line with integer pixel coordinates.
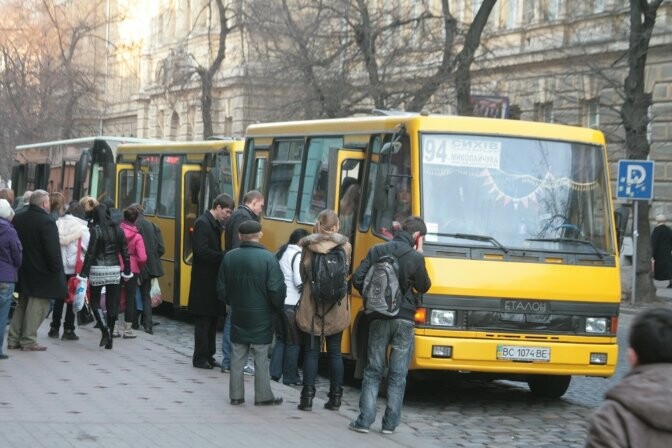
{"type": "Point", "coordinates": [635, 235]}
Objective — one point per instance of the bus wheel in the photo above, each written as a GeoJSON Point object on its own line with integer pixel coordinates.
{"type": "Point", "coordinates": [549, 386]}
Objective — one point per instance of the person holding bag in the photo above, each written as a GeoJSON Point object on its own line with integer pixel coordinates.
{"type": "Point", "coordinates": [316, 322]}
{"type": "Point", "coordinates": [107, 245]}
{"type": "Point", "coordinates": [138, 256]}
{"type": "Point", "coordinates": [73, 235]}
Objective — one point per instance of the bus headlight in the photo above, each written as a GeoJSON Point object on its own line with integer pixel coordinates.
{"type": "Point", "coordinates": [442, 318]}
{"type": "Point", "coordinates": [596, 325]}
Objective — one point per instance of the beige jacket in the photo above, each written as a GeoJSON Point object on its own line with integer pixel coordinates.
{"type": "Point", "coordinates": [338, 318]}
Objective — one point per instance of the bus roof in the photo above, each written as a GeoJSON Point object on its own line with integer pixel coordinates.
{"type": "Point", "coordinates": [85, 140]}
{"type": "Point", "coordinates": [168, 147]}
{"type": "Point", "coordinates": [427, 123]}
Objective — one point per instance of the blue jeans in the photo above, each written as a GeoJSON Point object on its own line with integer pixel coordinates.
{"type": "Point", "coordinates": [285, 356]}
{"type": "Point", "coordinates": [6, 292]}
{"type": "Point", "coordinates": [398, 334]}
{"type": "Point", "coordinates": [226, 342]}
{"type": "Point", "coordinates": [312, 353]}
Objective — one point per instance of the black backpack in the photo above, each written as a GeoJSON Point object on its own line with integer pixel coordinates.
{"type": "Point", "coordinates": [329, 279]}
{"type": "Point", "coordinates": [381, 289]}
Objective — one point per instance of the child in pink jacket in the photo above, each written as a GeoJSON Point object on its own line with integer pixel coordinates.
{"type": "Point", "coordinates": [138, 255]}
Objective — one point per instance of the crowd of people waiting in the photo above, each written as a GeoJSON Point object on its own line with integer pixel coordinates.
{"type": "Point", "coordinates": [44, 243]}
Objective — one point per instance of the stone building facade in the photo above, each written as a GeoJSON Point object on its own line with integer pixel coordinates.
{"type": "Point", "coordinates": [559, 61]}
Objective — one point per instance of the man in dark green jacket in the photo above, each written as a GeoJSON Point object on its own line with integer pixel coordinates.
{"type": "Point", "coordinates": [251, 282]}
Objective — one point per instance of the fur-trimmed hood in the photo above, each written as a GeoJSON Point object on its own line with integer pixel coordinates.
{"type": "Point", "coordinates": [323, 242]}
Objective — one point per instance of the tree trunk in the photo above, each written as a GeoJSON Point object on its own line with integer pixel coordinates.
{"type": "Point", "coordinates": [206, 104]}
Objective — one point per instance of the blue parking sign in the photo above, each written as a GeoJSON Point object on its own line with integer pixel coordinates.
{"type": "Point", "coordinates": [635, 180]}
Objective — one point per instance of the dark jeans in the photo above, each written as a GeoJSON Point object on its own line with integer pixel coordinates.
{"type": "Point", "coordinates": [130, 286]}
{"type": "Point", "coordinates": [312, 353]}
{"type": "Point", "coordinates": [285, 356]}
{"type": "Point", "coordinates": [205, 329]}
{"type": "Point", "coordinates": [145, 286]}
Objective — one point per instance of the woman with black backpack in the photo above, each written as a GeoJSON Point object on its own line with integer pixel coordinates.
{"type": "Point", "coordinates": [323, 311]}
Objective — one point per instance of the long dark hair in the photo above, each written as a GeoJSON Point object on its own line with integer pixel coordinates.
{"type": "Point", "coordinates": [294, 238]}
{"type": "Point", "coordinates": [102, 219]}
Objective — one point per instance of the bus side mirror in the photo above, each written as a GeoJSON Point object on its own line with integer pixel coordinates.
{"type": "Point", "coordinates": [621, 216]}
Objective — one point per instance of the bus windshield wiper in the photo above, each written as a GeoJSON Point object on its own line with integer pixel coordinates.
{"type": "Point", "coordinates": [470, 236]}
{"type": "Point", "coordinates": [569, 240]}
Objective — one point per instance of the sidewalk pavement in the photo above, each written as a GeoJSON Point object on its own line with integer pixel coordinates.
{"type": "Point", "coordinates": [663, 293]}
{"type": "Point", "coordinates": [145, 393]}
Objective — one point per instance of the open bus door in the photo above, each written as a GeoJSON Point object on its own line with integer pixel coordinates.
{"type": "Point", "coordinates": [192, 205]}
{"type": "Point", "coordinates": [81, 172]}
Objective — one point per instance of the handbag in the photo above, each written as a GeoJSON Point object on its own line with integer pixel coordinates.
{"type": "Point", "coordinates": [73, 281]}
{"type": "Point", "coordinates": [85, 315]}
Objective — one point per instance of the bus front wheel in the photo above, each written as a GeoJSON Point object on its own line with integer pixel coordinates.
{"type": "Point", "coordinates": [549, 386]}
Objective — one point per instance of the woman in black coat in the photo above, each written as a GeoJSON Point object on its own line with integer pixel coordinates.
{"type": "Point", "coordinates": [661, 248]}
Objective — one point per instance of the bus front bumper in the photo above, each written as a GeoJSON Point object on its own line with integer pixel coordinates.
{"type": "Point", "coordinates": [507, 356]}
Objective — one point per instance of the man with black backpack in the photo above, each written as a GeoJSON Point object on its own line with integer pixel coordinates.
{"type": "Point", "coordinates": [391, 278]}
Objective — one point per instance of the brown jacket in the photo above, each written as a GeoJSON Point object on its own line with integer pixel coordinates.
{"type": "Point", "coordinates": [637, 411]}
{"type": "Point", "coordinates": [338, 318]}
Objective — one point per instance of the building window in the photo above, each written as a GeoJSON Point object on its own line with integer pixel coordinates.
{"type": "Point", "coordinates": [512, 14]}
{"type": "Point", "coordinates": [528, 11]}
{"type": "Point", "coordinates": [591, 113]}
{"type": "Point", "coordinates": [551, 10]}
{"type": "Point", "coordinates": [543, 112]}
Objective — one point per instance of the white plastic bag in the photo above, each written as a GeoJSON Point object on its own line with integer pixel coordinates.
{"type": "Point", "coordinates": [155, 293]}
{"type": "Point", "coordinates": [80, 294]}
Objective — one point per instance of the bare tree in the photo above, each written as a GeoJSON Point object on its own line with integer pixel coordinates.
{"type": "Point", "coordinates": [351, 55]}
{"type": "Point", "coordinates": [635, 116]}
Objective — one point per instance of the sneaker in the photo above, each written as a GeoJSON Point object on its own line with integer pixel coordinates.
{"type": "Point", "coordinates": [226, 369]}
{"type": "Point", "coordinates": [116, 334]}
{"type": "Point", "coordinates": [248, 370]}
{"type": "Point", "coordinates": [3, 356]}
{"type": "Point", "coordinates": [353, 426]}
{"type": "Point", "coordinates": [69, 335]}
{"type": "Point", "coordinates": [53, 333]}
{"type": "Point", "coordinates": [387, 431]}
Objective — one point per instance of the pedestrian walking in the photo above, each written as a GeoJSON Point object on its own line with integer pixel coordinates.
{"type": "Point", "coordinates": [73, 234]}
{"type": "Point", "coordinates": [636, 411]}
{"type": "Point", "coordinates": [203, 303]}
{"type": "Point", "coordinates": [320, 323]}
{"type": "Point", "coordinates": [138, 257]}
{"type": "Point", "coordinates": [11, 254]}
{"type": "Point", "coordinates": [41, 275]}
{"type": "Point", "coordinates": [155, 248]}
{"type": "Point", "coordinates": [106, 263]}
{"type": "Point", "coordinates": [393, 335]}
{"type": "Point", "coordinates": [251, 282]}
{"type": "Point", "coordinates": [251, 208]}
{"type": "Point", "coordinates": [285, 355]}
{"type": "Point", "coordinates": [661, 248]}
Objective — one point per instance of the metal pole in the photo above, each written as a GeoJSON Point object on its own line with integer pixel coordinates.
{"type": "Point", "coordinates": [635, 234]}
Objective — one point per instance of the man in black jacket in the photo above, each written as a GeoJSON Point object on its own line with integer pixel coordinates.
{"type": "Point", "coordinates": [203, 303]}
{"type": "Point", "coordinates": [250, 209]}
{"type": "Point", "coordinates": [155, 248]}
{"type": "Point", "coordinates": [396, 332]}
{"type": "Point", "coordinates": [41, 275]}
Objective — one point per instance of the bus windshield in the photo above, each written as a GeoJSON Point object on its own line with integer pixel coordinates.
{"type": "Point", "coordinates": [515, 193]}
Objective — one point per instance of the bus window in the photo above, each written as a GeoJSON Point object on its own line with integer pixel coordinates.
{"type": "Point", "coordinates": [259, 174]}
{"type": "Point", "coordinates": [365, 222]}
{"type": "Point", "coordinates": [316, 179]}
{"type": "Point", "coordinates": [150, 169]}
{"type": "Point", "coordinates": [392, 195]}
{"type": "Point", "coordinates": [223, 174]}
{"type": "Point", "coordinates": [190, 208]}
{"type": "Point", "coordinates": [169, 173]}
{"type": "Point", "coordinates": [125, 197]}
{"type": "Point", "coordinates": [283, 184]}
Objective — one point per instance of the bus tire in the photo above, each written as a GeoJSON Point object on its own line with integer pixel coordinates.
{"type": "Point", "coordinates": [549, 386]}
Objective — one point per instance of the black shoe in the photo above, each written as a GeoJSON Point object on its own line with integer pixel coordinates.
{"type": "Point", "coordinates": [237, 401]}
{"type": "Point", "coordinates": [275, 378]}
{"type": "Point", "coordinates": [135, 326]}
{"type": "Point", "coordinates": [69, 335]}
{"type": "Point", "coordinates": [149, 331]}
{"type": "Point", "coordinates": [214, 363]}
{"type": "Point", "coordinates": [53, 333]}
{"type": "Point", "coordinates": [202, 365]}
{"type": "Point", "coordinates": [273, 402]}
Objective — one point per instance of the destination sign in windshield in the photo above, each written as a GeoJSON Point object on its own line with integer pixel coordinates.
{"type": "Point", "coordinates": [460, 151]}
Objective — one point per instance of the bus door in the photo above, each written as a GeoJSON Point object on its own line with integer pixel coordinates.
{"type": "Point", "coordinates": [126, 185]}
{"type": "Point", "coordinates": [350, 165]}
{"type": "Point", "coordinates": [190, 208]}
